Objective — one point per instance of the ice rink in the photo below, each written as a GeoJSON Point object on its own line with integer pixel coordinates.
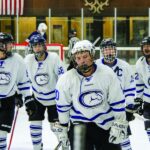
{"type": "Point", "coordinates": [22, 140]}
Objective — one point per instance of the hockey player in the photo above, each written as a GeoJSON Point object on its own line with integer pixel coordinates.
{"type": "Point", "coordinates": [44, 69]}
{"type": "Point", "coordinates": [126, 77]}
{"type": "Point", "coordinates": [14, 84]}
{"type": "Point", "coordinates": [143, 81]}
{"type": "Point", "coordinates": [42, 27]}
{"type": "Point", "coordinates": [86, 96]}
{"type": "Point", "coordinates": [72, 40]}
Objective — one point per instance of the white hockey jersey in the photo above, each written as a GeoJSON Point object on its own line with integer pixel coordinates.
{"type": "Point", "coordinates": [142, 79]}
{"type": "Point", "coordinates": [13, 77]}
{"type": "Point", "coordinates": [44, 76]}
{"type": "Point", "coordinates": [126, 77]}
{"type": "Point", "coordinates": [97, 98]}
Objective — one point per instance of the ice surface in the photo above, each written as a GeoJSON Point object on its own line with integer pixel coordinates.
{"type": "Point", "coordinates": [22, 140]}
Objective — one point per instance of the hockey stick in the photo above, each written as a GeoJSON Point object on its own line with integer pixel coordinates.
{"type": "Point", "coordinates": [58, 146]}
{"type": "Point", "coordinates": [96, 41]}
{"type": "Point", "coordinates": [13, 128]}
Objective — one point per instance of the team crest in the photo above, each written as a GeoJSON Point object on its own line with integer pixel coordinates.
{"type": "Point", "coordinates": [5, 78]}
{"type": "Point", "coordinates": [42, 79]}
{"type": "Point", "coordinates": [91, 99]}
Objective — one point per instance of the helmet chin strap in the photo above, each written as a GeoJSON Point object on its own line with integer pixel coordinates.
{"type": "Point", "coordinates": [84, 68]}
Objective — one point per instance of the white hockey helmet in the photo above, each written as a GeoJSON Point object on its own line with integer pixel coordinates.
{"type": "Point", "coordinates": [42, 26]}
{"type": "Point", "coordinates": [82, 46]}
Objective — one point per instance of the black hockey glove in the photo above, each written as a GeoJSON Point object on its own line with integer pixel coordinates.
{"type": "Point", "coordinates": [136, 108]}
{"type": "Point", "coordinates": [139, 106]}
{"type": "Point", "coordinates": [31, 106]}
{"type": "Point", "coordinates": [18, 100]}
{"type": "Point", "coordinates": [129, 116]}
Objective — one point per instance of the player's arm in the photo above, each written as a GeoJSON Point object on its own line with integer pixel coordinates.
{"type": "Point", "coordinates": [64, 104]}
{"type": "Point", "coordinates": [63, 100]}
{"type": "Point", "coordinates": [118, 131]}
{"type": "Point", "coordinates": [129, 86]}
{"type": "Point", "coordinates": [139, 81]}
{"type": "Point", "coordinates": [23, 83]}
{"type": "Point", "coordinates": [129, 92]}
{"type": "Point", "coordinates": [59, 66]}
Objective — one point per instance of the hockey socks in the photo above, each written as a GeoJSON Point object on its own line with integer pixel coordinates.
{"type": "Point", "coordinates": [36, 134]}
{"type": "Point", "coordinates": [3, 138]}
{"type": "Point", "coordinates": [126, 145]}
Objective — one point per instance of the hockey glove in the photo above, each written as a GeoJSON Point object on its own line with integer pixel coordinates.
{"type": "Point", "coordinates": [31, 106]}
{"type": "Point", "coordinates": [62, 134]}
{"type": "Point", "coordinates": [18, 100]}
{"type": "Point", "coordinates": [137, 107]}
{"type": "Point", "coordinates": [130, 116]}
{"type": "Point", "coordinates": [118, 131]}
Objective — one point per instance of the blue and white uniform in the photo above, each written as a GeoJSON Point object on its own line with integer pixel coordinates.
{"type": "Point", "coordinates": [125, 75]}
{"type": "Point", "coordinates": [97, 98]}
{"type": "Point", "coordinates": [143, 79]}
{"type": "Point", "coordinates": [44, 76]}
{"type": "Point", "coordinates": [13, 77]}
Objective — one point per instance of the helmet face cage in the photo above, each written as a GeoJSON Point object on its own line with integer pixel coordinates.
{"type": "Point", "coordinates": [37, 40]}
{"type": "Point", "coordinates": [108, 45]}
{"type": "Point", "coordinates": [81, 47]}
{"type": "Point", "coordinates": [6, 38]}
{"type": "Point", "coordinates": [145, 41]}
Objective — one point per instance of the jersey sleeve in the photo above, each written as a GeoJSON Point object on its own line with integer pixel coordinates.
{"type": "Point", "coordinates": [129, 86]}
{"type": "Point", "coordinates": [139, 82]}
{"type": "Point", "coordinates": [23, 82]}
{"type": "Point", "coordinates": [59, 66]}
{"type": "Point", "coordinates": [63, 100]}
{"type": "Point", "coordinates": [116, 98]}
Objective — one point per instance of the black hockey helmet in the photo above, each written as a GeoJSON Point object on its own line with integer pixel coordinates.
{"type": "Point", "coordinates": [4, 39]}
{"type": "Point", "coordinates": [145, 41]}
{"type": "Point", "coordinates": [110, 56]}
{"type": "Point", "coordinates": [107, 42]}
{"type": "Point", "coordinates": [72, 33]}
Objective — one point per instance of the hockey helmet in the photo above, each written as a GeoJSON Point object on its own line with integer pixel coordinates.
{"type": "Point", "coordinates": [108, 45]}
{"type": "Point", "coordinates": [146, 50]}
{"type": "Point", "coordinates": [6, 38]}
{"type": "Point", "coordinates": [37, 40]}
{"type": "Point", "coordinates": [80, 47]}
{"type": "Point", "coordinates": [42, 26]}
{"type": "Point", "coordinates": [72, 33]}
